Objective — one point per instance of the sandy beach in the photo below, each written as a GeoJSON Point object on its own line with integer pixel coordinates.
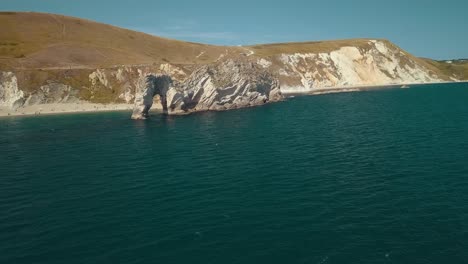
{"type": "Point", "coordinates": [58, 108]}
{"type": "Point", "coordinates": [358, 88]}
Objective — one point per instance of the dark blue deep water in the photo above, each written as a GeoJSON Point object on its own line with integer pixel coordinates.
{"type": "Point", "coordinates": [368, 177]}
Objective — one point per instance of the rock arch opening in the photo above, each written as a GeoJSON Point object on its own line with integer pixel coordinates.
{"type": "Point", "coordinates": [153, 85]}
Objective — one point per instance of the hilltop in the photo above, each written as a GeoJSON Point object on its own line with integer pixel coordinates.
{"type": "Point", "coordinates": [37, 40]}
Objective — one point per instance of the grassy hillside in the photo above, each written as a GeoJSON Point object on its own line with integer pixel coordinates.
{"type": "Point", "coordinates": [456, 68]}
{"type": "Point", "coordinates": [265, 50]}
{"type": "Point", "coordinates": [48, 41]}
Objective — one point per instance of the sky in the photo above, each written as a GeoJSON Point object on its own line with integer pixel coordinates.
{"type": "Point", "coordinates": [426, 28]}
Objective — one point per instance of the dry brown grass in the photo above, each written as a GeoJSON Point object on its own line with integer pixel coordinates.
{"type": "Point", "coordinates": [266, 50]}
{"type": "Point", "coordinates": [44, 40]}
{"type": "Point", "coordinates": [456, 69]}
{"type": "Point", "coordinates": [38, 40]}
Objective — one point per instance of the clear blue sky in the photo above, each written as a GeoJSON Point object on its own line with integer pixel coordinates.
{"type": "Point", "coordinates": [428, 28]}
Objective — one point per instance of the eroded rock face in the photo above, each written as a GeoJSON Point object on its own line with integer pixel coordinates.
{"type": "Point", "coordinates": [10, 95]}
{"type": "Point", "coordinates": [377, 64]}
{"type": "Point", "coordinates": [222, 86]}
{"type": "Point", "coordinates": [53, 93]}
{"type": "Point", "coordinates": [99, 76]}
{"type": "Point", "coordinates": [153, 85]}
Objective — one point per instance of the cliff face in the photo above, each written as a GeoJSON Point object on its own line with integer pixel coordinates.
{"type": "Point", "coordinates": [221, 86]}
{"type": "Point", "coordinates": [231, 82]}
{"type": "Point", "coordinates": [47, 59]}
{"type": "Point", "coordinates": [377, 63]}
{"type": "Point", "coordinates": [23, 88]}
{"type": "Point", "coordinates": [226, 85]}
{"type": "Point", "coordinates": [10, 95]}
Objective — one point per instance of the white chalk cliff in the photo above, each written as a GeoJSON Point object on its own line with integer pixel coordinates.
{"type": "Point", "coordinates": [377, 64]}
{"type": "Point", "coordinates": [233, 81]}
{"type": "Point", "coordinates": [10, 95]}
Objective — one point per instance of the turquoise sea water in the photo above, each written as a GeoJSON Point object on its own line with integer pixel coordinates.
{"type": "Point", "coordinates": [368, 177]}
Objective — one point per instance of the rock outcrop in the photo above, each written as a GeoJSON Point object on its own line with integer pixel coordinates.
{"type": "Point", "coordinates": [10, 96]}
{"type": "Point", "coordinates": [222, 86]}
{"type": "Point", "coordinates": [153, 85]}
{"type": "Point", "coordinates": [53, 93]}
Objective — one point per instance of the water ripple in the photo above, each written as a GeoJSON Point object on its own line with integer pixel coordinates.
{"type": "Point", "coordinates": [371, 177]}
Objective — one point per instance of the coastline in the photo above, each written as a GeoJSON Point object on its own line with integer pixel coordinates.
{"type": "Point", "coordinates": [86, 107]}
{"type": "Point", "coordinates": [63, 108]}
{"type": "Point", "coordinates": [359, 88]}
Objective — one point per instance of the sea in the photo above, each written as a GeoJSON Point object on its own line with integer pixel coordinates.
{"type": "Point", "coordinates": [376, 176]}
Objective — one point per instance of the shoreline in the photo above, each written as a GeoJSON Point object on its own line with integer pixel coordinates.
{"type": "Point", "coordinates": [85, 107]}
{"type": "Point", "coordinates": [63, 108]}
{"type": "Point", "coordinates": [359, 88]}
